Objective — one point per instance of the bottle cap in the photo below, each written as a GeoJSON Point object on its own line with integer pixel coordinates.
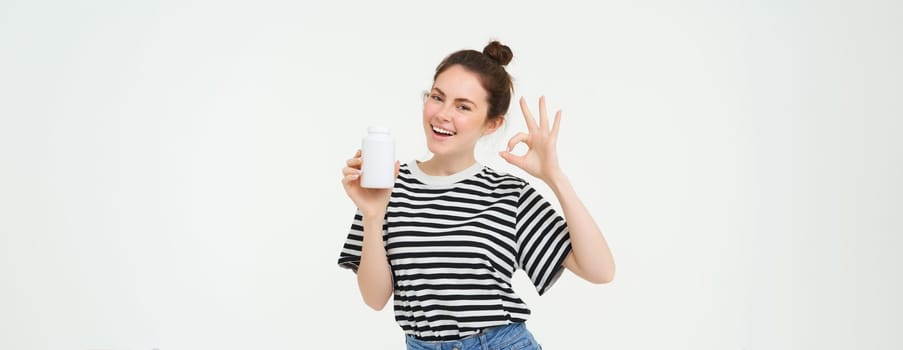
{"type": "Point", "coordinates": [378, 130]}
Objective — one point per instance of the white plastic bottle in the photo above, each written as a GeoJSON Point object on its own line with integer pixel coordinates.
{"type": "Point", "coordinates": [378, 156]}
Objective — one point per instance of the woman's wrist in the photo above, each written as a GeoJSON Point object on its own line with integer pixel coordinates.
{"type": "Point", "coordinates": [556, 179]}
{"type": "Point", "coordinates": [373, 218]}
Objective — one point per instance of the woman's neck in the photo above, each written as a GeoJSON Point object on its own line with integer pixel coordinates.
{"type": "Point", "coordinates": [444, 166]}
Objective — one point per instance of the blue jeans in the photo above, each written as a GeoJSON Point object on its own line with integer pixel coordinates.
{"type": "Point", "coordinates": [513, 336]}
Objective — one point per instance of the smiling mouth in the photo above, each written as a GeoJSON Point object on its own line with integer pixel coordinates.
{"type": "Point", "coordinates": [443, 132]}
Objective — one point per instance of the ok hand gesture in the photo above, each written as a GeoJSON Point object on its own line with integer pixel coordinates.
{"type": "Point", "coordinates": [541, 159]}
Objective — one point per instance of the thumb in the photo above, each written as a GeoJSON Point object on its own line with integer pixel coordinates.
{"type": "Point", "coordinates": [510, 158]}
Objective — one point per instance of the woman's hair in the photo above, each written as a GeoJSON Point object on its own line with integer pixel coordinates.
{"type": "Point", "coordinates": [489, 65]}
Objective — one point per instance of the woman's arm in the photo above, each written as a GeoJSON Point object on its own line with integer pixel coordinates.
{"type": "Point", "coordinates": [374, 277]}
{"type": "Point", "coordinates": [590, 257]}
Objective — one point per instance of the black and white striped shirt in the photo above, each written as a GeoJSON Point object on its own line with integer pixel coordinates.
{"type": "Point", "coordinates": [454, 243]}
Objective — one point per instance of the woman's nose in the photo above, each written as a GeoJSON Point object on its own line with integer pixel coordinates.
{"type": "Point", "coordinates": [442, 114]}
{"type": "Point", "coordinates": [447, 110]}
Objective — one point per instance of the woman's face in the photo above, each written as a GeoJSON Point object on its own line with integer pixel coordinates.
{"type": "Point", "coordinates": [454, 113]}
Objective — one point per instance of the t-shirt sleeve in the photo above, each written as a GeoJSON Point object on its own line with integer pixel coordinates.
{"type": "Point", "coordinates": [350, 256]}
{"type": "Point", "coordinates": [543, 241]}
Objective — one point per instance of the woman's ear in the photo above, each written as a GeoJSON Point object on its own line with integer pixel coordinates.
{"type": "Point", "coordinates": [493, 124]}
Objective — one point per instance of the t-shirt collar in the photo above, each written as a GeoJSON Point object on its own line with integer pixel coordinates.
{"type": "Point", "coordinates": [418, 174]}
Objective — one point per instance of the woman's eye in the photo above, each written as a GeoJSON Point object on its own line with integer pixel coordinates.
{"type": "Point", "coordinates": [464, 107]}
{"type": "Point", "coordinates": [436, 98]}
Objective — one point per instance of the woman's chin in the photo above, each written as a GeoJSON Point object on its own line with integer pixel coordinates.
{"type": "Point", "coordinates": [434, 149]}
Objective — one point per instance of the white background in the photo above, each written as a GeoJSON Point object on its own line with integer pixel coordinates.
{"type": "Point", "coordinates": [171, 169]}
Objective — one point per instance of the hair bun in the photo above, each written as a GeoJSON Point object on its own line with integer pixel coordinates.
{"type": "Point", "coordinates": [498, 52]}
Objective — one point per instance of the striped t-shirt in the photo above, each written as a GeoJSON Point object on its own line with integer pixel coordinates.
{"type": "Point", "coordinates": [454, 243]}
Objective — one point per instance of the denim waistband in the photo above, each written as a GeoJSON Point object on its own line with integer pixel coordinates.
{"type": "Point", "coordinates": [489, 338]}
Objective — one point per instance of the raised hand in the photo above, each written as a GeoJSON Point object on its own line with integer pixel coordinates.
{"type": "Point", "coordinates": [541, 159]}
{"type": "Point", "coordinates": [371, 201]}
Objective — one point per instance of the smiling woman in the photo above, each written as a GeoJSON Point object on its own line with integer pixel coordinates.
{"type": "Point", "coordinates": [446, 240]}
{"type": "Point", "coordinates": [455, 117]}
{"type": "Point", "coordinates": [168, 174]}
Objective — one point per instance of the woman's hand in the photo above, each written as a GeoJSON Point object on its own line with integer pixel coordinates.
{"type": "Point", "coordinates": [371, 201]}
{"type": "Point", "coordinates": [541, 159]}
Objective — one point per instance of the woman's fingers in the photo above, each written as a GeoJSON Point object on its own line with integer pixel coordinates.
{"type": "Point", "coordinates": [355, 161]}
{"type": "Point", "coordinates": [350, 171]}
{"type": "Point", "coordinates": [347, 179]}
{"type": "Point", "coordinates": [520, 137]}
{"type": "Point", "coordinates": [557, 125]}
{"type": "Point", "coordinates": [543, 116]}
{"type": "Point", "coordinates": [350, 174]}
{"type": "Point", "coordinates": [528, 117]}
{"type": "Point", "coordinates": [513, 159]}
{"type": "Point", "coordinates": [544, 122]}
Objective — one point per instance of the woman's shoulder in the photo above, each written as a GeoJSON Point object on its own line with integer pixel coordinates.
{"type": "Point", "coordinates": [501, 178]}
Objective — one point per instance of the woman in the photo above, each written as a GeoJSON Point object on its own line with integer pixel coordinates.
{"type": "Point", "coordinates": [445, 242]}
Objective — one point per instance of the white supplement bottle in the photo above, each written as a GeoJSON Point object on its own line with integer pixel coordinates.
{"type": "Point", "coordinates": [378, 156]}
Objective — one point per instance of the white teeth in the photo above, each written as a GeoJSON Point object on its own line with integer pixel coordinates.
{"type": "Point", "coordinates": [443, 131]}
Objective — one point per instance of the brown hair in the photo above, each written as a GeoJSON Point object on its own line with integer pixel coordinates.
{"type": "Point", "coordinates": [489, 65]}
